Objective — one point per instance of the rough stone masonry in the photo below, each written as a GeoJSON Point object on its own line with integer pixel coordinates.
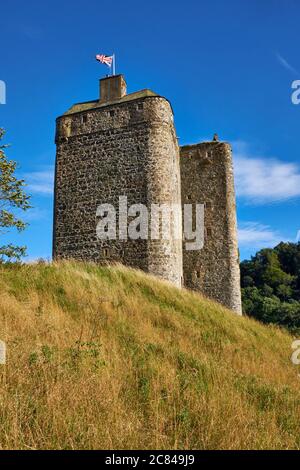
{"type": "Point", "coordinates": [126, 145]}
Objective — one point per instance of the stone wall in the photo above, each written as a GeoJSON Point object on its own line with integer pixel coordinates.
{"type": "Point", "coordinates": [120, 149]}
{"type": "Point", "coordinates": [207, 178]}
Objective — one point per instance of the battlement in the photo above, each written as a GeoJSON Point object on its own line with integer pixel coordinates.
{"type": "Point", "coordinates": [139, 109]}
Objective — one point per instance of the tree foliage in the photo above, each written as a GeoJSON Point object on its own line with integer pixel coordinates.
{"type": "Point", "coordinates": [271, 285]}
{"type": "Point", "coordinates": [13, 199]}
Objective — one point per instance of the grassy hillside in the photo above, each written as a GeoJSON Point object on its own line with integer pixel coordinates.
{"type": "Point", "coordinates": [112, 358]}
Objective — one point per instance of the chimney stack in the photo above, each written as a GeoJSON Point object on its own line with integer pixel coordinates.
{"type": "Point", "coordinates": [112, 88]}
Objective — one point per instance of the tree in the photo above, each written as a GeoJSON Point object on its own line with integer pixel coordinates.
{"type": "Point", "coordinates": [270, 286]}
{"type": "Point", "coordinates": [12, 199]}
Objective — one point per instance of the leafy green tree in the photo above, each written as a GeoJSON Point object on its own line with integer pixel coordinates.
{"type": "Point", "coordinates": [273, 275]}
{"type": "Point", "coordinates": [251, 298]}
{"type": "Point", "coordinates": [267, 291]}
{"type": "Point", "coordinates": [271, 286]}
{"type": "Point", "coordinates": [12, 199]}
{"type": "Point", "coordinates": [289, 257]}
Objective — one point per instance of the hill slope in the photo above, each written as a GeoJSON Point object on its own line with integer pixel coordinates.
{"type": "Point", "coordinates": [112, 358]}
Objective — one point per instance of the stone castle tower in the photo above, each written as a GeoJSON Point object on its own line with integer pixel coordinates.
{"type": "Point", "coordinates": [126, 145]}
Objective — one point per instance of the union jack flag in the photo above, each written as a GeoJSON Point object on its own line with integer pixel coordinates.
{"type": "Point", "coordinates": [104, 59]}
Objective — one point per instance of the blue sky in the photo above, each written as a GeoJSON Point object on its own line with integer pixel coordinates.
{"type": "Point", "coordinates": [227, 67]}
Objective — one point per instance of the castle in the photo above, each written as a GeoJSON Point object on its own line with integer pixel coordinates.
{"type": "Point", "coordinates": [126, 145]}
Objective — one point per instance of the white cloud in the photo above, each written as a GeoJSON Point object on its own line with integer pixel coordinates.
{"type": "Point", "coordinates": [40, 182]}
{"type": "Point", "coordinates": [262, 180]}
{"type": "Point", "coordinates": [298, 236]}
{"type": "Point", "coordinates": [285, 63]}
{"type": "Point", "coordinates": [256, 236]}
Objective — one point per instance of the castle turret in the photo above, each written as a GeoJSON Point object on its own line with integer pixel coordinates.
{"type": "Point", "coordinates": [207, 178]}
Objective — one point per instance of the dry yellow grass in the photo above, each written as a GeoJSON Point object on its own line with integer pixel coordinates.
{"type": "Point", "coordinates": [107, 357]}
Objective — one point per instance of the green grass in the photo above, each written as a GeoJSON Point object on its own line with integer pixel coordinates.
{"type": "Point", "coordinates": [108, 357]}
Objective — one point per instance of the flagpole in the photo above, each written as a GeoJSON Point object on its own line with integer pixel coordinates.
{"type": "Point", "coordinates": [114, 64]}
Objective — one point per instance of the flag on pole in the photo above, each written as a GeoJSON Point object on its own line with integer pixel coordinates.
{"type": "Point", "coordinates": [105, 59]}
